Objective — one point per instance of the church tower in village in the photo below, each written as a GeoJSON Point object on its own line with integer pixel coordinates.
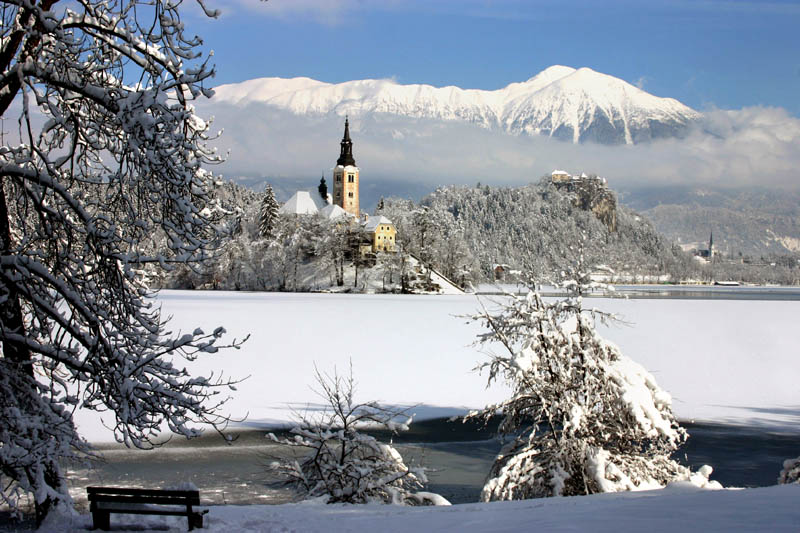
{"type": "Point", "coordinates": [345, 176]}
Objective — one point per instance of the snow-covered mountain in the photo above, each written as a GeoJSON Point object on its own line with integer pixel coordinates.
{"type": "Point", "coordinates": [562, 102]}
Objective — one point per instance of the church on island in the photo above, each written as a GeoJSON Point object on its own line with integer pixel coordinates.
{"type": "Point", "coordinates": [344, 202]}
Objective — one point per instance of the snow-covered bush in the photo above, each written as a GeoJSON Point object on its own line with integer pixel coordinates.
{"type": "Point", "coordinates": [331, 459]}
{"type": "Point", "coordinates": [584, 418]}
{"type": "Point", "coordinates": [790, 472]}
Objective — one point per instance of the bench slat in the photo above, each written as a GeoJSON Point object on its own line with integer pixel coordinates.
{"type": "Point", "coordinates": [139, 492]}
{"type": "Point", "coordinates": [158, 500]}
{"type": "Point", "coordinates": [150, 511]}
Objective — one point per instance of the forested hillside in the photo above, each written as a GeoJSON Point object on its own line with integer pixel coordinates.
{"type": "Point", "coordinates": [462, 232]}
{"type": "Point", "coordinates": [745, 222]}
{"type": "Point", "coordinates": [536, 228]}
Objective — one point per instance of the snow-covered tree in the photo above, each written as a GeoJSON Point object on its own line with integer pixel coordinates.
{"type": "Point", "coordinates": [790, 472]}
{"type": "Point", "coordinates": [269, 212]}
{"type": "Point", "coordinates": [334, 245]}
{"type": "Point", "coordinates": [332, 459]}
{"type": "Point", "coordinates": [583, 417]}
{"type": "Point", "coordinates": [106, 151]}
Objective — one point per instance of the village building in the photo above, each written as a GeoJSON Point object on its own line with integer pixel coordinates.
{"type": "Point", "coordinates": [383, 233]}
{"type": "Point", "coordinates": [559, 176]}
{"type": "Point", "coordinates": [706, 254]}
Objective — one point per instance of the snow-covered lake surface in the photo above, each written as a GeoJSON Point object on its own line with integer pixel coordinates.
{"type": "Point", "coordinates": [728, 361]}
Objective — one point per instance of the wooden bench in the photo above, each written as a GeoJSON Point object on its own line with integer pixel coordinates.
{"type": "Point", "coordinates": [106, 500]}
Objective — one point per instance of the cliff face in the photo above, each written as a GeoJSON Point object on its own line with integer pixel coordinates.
{"type": "Point", "coordinates": [590, 193]}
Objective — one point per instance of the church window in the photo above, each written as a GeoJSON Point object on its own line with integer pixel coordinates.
{"type": "Point", "coordinates": [338, 179]}
{"type": "Point", "coordinates": [350, 194]}
{"type": "Point", "coordinates": [350, 178]}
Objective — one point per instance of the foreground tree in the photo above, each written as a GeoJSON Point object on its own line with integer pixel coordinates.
{"type": "Point", "coordinates": [583, 417]}
{"type": "Point", "coordinates": [331, 459]}
{"type": "Point", "coordinates": [106, 153]}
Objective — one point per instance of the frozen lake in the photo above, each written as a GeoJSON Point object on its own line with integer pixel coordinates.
{"type": "Point", "coordinates": [731, 365]}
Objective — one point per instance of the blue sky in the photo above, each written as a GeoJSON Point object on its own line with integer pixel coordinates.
{"type": "Point", "coordinates": [707, 54]}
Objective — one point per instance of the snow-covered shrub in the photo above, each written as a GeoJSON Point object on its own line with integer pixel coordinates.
{"type": "Point", "coordinates": [331, 459]}
{"type": "Point", "coordinates": [584, 418]}
{"type": "Point", "coordinates": [790, 472]}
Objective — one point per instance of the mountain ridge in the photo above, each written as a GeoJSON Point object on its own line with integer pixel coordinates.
{"type": "Point", "coordinates": [576, 105]}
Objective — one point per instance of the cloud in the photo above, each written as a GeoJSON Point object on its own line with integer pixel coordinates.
{"type": "Point", "coordinates": [754, 146]}
{"type": "Point", "coordinates": [336, 12]}
{"type": "Point", "coordinates": [327, 12]}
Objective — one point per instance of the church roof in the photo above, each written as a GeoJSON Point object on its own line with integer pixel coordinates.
{"type": "Point", "coordinates": [302, 203]}
{"type": "Point", "coordinates": [346, 153]}
{"type": "Point", "coordinates": [333, 211]}
{"type": "Point", "coordinates": [372, 224]}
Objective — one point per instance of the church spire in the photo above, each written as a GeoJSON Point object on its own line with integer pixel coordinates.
{"type": "Point", "coordinates": [346, 154]}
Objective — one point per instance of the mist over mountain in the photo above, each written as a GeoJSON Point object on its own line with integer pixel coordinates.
{"type": "Point", "coordinates": [577, 105]}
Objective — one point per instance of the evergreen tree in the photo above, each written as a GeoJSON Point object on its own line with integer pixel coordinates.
{"type": "Point", "coordinates": [583, 417]}
{"type": "Point", "coordinates": [269, 213]}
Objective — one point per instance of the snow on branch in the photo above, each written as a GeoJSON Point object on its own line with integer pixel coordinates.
{"type": "Point", "coordinates": [106, 173]}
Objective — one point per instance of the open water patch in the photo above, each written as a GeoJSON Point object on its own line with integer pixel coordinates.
{"type": "Point", "coordinates": [458, 455]}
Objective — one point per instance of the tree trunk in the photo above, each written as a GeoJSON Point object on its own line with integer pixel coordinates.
{"type": "Point", "coordinates": [17, 353]}
{"type": "Point", "coordinates": [10, 308]}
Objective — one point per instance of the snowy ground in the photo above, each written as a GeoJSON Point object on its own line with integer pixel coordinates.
{"type": "Point", "coordinates": [675, 508]}
{"type": "Point", "coordinates": [723, 360]}
{"type": "Point", "coordinates": [728, 361]}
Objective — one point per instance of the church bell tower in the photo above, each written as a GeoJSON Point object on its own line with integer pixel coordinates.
{"type": "Point", "coordinates": [345, 176]}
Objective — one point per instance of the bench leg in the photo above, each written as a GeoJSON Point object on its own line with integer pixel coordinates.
{"type": "Point", "coordinates": [101, 520]}
{"type": "Point", "coordinates": [195, 520]}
